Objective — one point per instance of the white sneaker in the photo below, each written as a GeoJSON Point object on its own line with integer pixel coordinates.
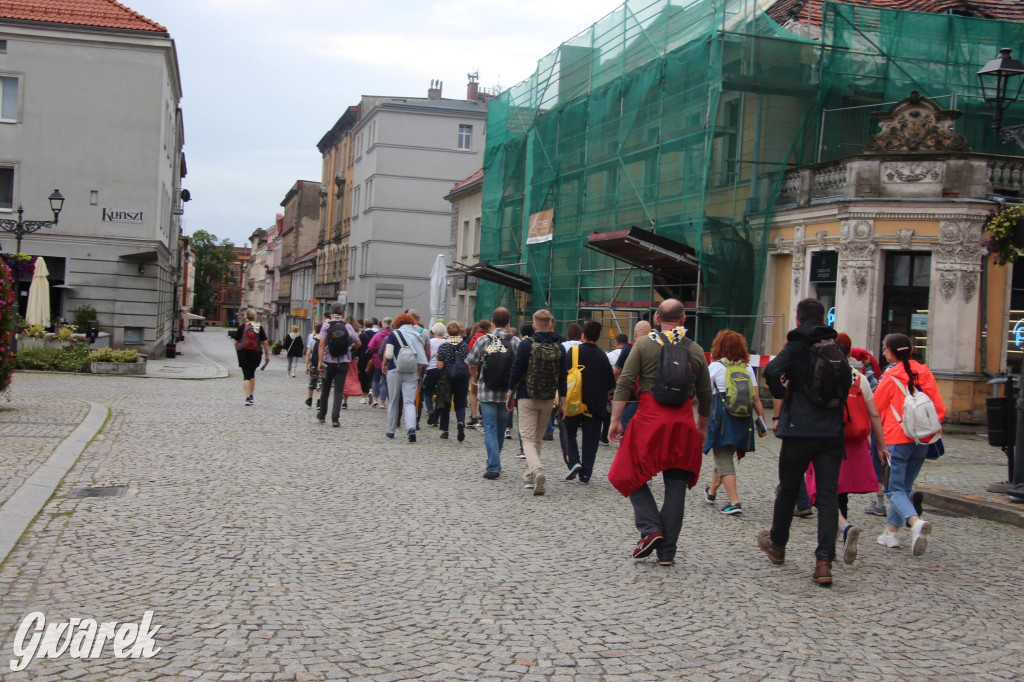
{"type": "Point", "coordinates": [887, 539]}
{"type": "Point", "coordinates": [919, 537]}
{"type": "Point", "coordinates": [362, 401]}
{"type": "Point", "coordinates": [538, 483]}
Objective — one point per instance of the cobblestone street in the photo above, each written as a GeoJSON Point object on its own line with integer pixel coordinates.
{"type": "Point", "coordinates": [272, 547]}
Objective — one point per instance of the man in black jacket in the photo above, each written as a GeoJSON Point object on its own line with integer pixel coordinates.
{"type": "Point", "coordinates": [810, 434]}
{"type": "Point", "coordinates": [598, 382]}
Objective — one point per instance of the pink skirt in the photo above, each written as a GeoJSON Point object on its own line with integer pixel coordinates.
{"type": "Point", "coordinates": [856, 473]}
{"type": "Point", "coordinates": [352, 386]}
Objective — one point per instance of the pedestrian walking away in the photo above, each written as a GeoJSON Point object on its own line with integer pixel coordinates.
{"type": "Point", "coordinates": [452, 369]}
{"type": "Point", "coordinates": [811, 377]}
{"type": "Point", "coordinates": [668, 370]}
{"type": "Point", "coordinates": [337, 341]}
{"type": "Point", "coordinates": [437, 337]}
{"type": "Point", "coordinates": [378, 386]}
{"type": "Point", "coordinates": [312, 366]}
{"type": "Point", "coordinates": [856, 473]}
{"type": "Point", "coordinates": [250, 346]}
{"type": "Point", "coordinates": [590, 412]}
{"type": "Point", "coordinates": [293, 349]}
{"type": "Point", "coordinates": [490, 363]}
{"type": "Point", "coordinates": [735, 409]}
{"type": "Point", "coordinates": [640, 330]}
{"type": "Point", "coordinates": [404, 361]}
{"type": "Point", "coordinates": [912, 410]}
{"type": "Point", "coordinates": [536, 378]}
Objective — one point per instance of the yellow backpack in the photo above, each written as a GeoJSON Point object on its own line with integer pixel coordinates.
{"type": "Point", "coordinates": [574, 404]}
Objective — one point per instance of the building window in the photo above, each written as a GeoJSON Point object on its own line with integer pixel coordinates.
{"type": "Point", "coordinates": [465, 250]}
{"type": "Point", "coordinates": [352, 263]}
{"type": "Point", "coordinates": [465, 137]}
{"type": "Point", "coordinates": [389, 295]}
{"type": "Point", "coordinates": [3, 47]}
{"type": "Point", "coordinates": [355, 202]}
{"type": "Point", "coordinates": [133, 335]}
{"type": "Point", "coordinates": [6, 187]}
{"type": "Point", "coordinates": [726, 159]}
{"type": "Point", "coordinates": [369, 194]}
{"type": "Point", "coordinates": [9, 89]}
{"type": "Point", "coordinates": [476, 236]}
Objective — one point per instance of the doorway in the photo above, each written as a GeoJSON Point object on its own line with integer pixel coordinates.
{"type": "Point", "coordinates": [905, 298]}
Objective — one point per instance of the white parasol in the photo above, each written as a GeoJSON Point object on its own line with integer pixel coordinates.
{"type": "Point", "coordinates": [39, 296]}
{"type": "Point", "coordinates": [438, 291]}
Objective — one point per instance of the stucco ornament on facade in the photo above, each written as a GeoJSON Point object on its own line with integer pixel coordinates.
{"type": "Point", "coordinates": [916, 124]}
{"type": "Point", "coordinates": [905, 237]}
{"type": "Point", "coordinates": [958, 257]}
{"type": "Point", "coordinates": [913, 171]}
{"type": "Point", "coordinates": [856, 254]}
{"type": "Point", "coordinates": [947, 285]}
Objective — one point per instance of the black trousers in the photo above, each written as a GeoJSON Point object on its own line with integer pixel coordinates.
{"type": "Point", "coordinates": [796, 454]}
{"type": "Point", "coordinates": [334, 377]}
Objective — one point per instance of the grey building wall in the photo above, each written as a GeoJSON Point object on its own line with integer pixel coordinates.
{"type": "Point", "coordinates": [406, 160]}
{"type": "Point", "coordinates": [100, 121]}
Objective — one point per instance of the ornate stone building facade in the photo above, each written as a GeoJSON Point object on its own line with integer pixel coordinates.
{"type": "Point", "coordinates": [891, 241]}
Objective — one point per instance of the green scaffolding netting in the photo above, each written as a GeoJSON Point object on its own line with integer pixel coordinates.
{"type": "Point", "coordinates": [682, 117]}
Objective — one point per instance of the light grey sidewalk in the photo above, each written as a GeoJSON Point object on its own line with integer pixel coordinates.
{"type": "Point", "coordinates": [191, 361]}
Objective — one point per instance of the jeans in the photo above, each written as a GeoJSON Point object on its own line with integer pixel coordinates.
{"type": "Point", "coordinates": [591, 427]}
{"type": "Point", "coordinates": [797, 453]}
{"type": "Point", "coordinates": [378, 386]}
{"type": "Point", "coordinates": [669, 519]}
{"type": "Point", "coordinates": [427, 390]}
{"type": "Point", "coordinates": [496, 418]}
{"type": "Point", "coordinates": [905, 461]}
{"type": "Point", "coordinates": [334, 376]}
{"type": "Point", "coordinates": [293, 362]}
{"type": "Point", "coordinates": [402, 401]}
{"type": "Point", "coordinates": [460, 390]}
{"type": "Point", "coordinates": [628, 412]}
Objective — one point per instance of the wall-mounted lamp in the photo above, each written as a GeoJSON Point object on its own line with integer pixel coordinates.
{"type": "Point", "coordinates": [323, 195]}
{"type": "Point", "coordinates": [142, 268]}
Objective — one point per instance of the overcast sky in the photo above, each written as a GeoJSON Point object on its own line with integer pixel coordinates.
{"type": "Point", "coordinates": [263, 80]}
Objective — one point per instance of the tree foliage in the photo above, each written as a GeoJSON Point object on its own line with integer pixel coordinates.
{"type": "Point", "coordinates": [213, 265]}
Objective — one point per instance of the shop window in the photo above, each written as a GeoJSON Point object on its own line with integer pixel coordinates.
{"type": "Point", "coordinates": [905, 298]}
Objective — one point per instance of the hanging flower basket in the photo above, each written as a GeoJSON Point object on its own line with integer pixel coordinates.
{"type": "Point", "coordinates": [1006, 235]}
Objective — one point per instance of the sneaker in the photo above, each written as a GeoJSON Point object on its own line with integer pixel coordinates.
{"type": "Point", "coordinates": [528, 483]}
{"type": "Point", "coordinates": [850, 536]}
{"type": "Point", "coordinates": [666, 561]}
{"type": "Point", "coordinates": [473, 421]}
{"type": "Point", "coordinates": [309, 402]}
{"type": "Point", "coordinates": [412, 435]}
{"type": "Point", "coordinates": [318, 403]}
{"type": "Point", "coordinates": [335, 423]}
{"type": "Point", "coordinates": [732, 509]}
{"type": "Point", "coordinates": [520, 455]}
{"type": "Point", "coordinates": [444, 435]}
{"type": "Point", "coordinates": [605, 441]}
{"type": "Point", "coordinates": [344, 406]}
{"type": "Point", "coordinates": [573, 470]}
{"type": "Point", "coordinates": [548, 436]}
{"type": "Point", "coordinates": [646, 545]}
{"type": "Point", "coordinates": [919, 537]}
{"type": "Point", "coordinates": [321, 419]}
{"type": "Point", "coordinates": [803, 513]}
{"type": "Point", "coordinates": [508, 434]}
{"type": "Point", "coordinates": [538, 483]}
{"type": "Point", "coordinates": [775, 553]}
{"type": "Point", "coordinates": [492, 475]}
{"type": "Point", "coordinates": [887, 539]}
{"type": "Point", "coordinates": [432, 420]}
{"type": "Point", "coordinates": [479, 427]}
{"type": "Point", "coordinates": [248, 401]}
{"type": "Point", "coordinates": [389, 435]}
{"type": "Point", "coordinates": [362, 401]}
{"type": "Point", "coordinates": [375, 403]}
{"type": "Point", "coordinates": [708, 497]}
{"type": "Point", "coordinates": [876, 509]}
{"type": "Point", "coordinates": [461, 434]}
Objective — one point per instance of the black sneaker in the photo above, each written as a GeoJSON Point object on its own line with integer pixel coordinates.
{"type": "Point", "coordinates": [318, 403]}
{"type": "Point", "coordinates": [473, 421]}
{"type": "Point", "coordinates": [444, 435]}
{"type": "Point", "coordinates": [344, 406]}
{"type": "Point", "coordinates": [492, 475]}
{"type": "Point", "coordinates": [309, 402]}
{"type": "Point", "coordinates": [708, 497]}
{"type": "Point", "coordinates": [461, 436]}
{"type": "Point", "coordinates": [412, 435]}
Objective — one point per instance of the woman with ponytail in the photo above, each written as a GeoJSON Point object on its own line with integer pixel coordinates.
{"type": "Point", "coordinates": [905, 456]}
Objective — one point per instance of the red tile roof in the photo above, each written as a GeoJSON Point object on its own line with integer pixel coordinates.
{"type": "Point", "coordinates": [1005, 10]}
{"type": "Point", "coordinates": [100, 13]}
{"type": "Point", "coordinates": [468, 181]}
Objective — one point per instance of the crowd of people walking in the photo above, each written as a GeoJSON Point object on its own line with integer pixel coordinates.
{"type": "Point", "coordinates": [846, 426]}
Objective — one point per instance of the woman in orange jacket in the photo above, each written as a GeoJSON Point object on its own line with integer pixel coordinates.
{"type": "Point", "coordinates": [905, 455]}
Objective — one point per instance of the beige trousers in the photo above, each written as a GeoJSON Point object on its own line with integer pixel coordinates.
{"type": "Point", "coordinates": [533, 422]}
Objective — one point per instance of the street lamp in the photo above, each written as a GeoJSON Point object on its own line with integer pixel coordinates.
{"type": "Point", "coordinates": [999, 89]}
{"type": "Point", "coordinates": [19, 228]}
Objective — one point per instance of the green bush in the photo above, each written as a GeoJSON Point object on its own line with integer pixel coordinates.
{"type": "Point", "coordinates": [111, 355]}
{"type": "Point", "coordinates": [71, 358]}
{"type": "Point", "coordinates": [83, 316]}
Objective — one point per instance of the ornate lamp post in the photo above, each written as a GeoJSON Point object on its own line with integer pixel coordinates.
{"type": "Point", "coordinates": [1001, 84]}
{"type": "Point", "coordinates": [19, 228]}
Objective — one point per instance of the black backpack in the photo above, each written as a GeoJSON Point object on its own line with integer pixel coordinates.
{"type": "Point", "coordinates": [337, 339]}
{"type": "Point", "coordinates": [674, 379]}
{"type": "Point", "coordinates": [497, 365]}
{"type": "Point", "coordinates": [456, 369]}
{"type": "Point", "coordinates": [828, 375]}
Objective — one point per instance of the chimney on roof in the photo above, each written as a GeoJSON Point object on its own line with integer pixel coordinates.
{"type": "Point", "coordinates": [435, 89]}
{"type": "Point", "coordinates": [473, 87]}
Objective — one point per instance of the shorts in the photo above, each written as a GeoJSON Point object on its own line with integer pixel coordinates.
{"type": "Point", "coordinates": [249, 361]}
{"type": "Point", "coordinates": [725, 465]}
{"type": "Point", "coordinates": [314, 379]}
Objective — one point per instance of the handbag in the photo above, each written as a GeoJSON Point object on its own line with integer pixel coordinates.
{"type": "Point", "coordinates": [935, 449]}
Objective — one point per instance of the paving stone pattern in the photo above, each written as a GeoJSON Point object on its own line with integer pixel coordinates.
{"type": "Point", "coordinates": [272, 547]}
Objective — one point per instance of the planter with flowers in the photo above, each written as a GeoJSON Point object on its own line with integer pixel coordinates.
{"type": "Point", "coordinates": [1006, 235]}
{"type": "Point", "coordinates": [123, 362]}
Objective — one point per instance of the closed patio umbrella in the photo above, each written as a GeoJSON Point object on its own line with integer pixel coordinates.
{"type": "Point", "coordinates": [439, 290]}
{"type": "Point", "coordinates": [39, 296]}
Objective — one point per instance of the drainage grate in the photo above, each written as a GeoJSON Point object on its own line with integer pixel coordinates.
{"type": "Point", "coordinates": [105, 491]}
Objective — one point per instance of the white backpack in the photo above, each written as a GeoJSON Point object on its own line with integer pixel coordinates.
{"type": "Point", "coordinates": [405, 361]}
{"type": "Point", "coordinates": [920, 418]}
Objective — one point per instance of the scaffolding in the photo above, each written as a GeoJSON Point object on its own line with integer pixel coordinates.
{"type": "Point", "coordinates": [681, 116]}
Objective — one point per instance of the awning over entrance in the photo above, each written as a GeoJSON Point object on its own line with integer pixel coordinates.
{"type": "Point", "coordinates": [648, 251]}
{"type": "Point", "coordinates": [192, 316]}
{"type": "Point", "coordinates": [492, 273]}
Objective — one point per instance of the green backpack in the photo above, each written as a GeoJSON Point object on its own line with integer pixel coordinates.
{"type": "Point", "coordinates": [738, 390]}
{"type": "Point", "coordinates": [543, 371]}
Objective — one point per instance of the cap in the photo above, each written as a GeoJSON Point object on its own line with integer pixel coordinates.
{"type": "Point", "coordinates": [415, 313]}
